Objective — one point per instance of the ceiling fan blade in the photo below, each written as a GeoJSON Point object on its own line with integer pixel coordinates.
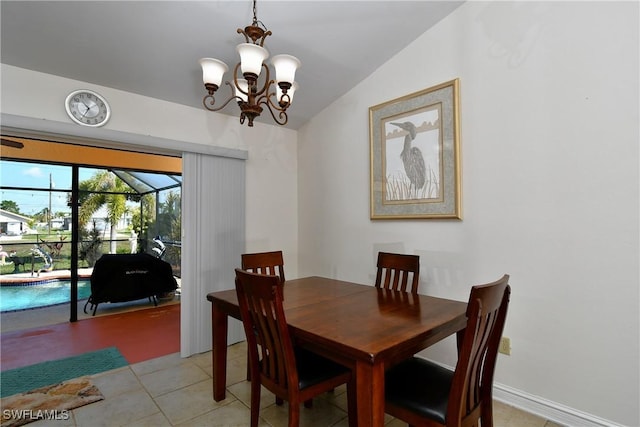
{"type": "Point", "coordinates": [10, 143]}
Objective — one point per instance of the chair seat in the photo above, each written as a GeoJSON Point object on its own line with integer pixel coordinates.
{"type": "Point", "coordinates": [314, 369]}
{"type": "Point", "coordinates": [420, 386]}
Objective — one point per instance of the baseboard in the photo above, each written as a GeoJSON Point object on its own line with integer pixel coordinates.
{"type": "Point", "coordinates": [547, 409]}
{"type": "Point", "coordinates": [544, 408]}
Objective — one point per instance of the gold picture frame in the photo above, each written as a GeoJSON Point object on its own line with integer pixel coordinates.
{"type": "Point", "coordinates": [415, 155]}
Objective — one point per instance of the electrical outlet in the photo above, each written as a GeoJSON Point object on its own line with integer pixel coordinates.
{"type": "Point", "coordinates": [505, 346]}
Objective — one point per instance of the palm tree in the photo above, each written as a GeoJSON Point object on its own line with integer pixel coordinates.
{"type": "Point", "coordinates": [169, 216]}
{"type": "Point", "coordinates": [144, 215]}
{"type": "Point", "coordinates": [103, 189]}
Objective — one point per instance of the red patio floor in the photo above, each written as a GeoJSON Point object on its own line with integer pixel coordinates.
{"type": "Point", "coordinates": [139, 335]}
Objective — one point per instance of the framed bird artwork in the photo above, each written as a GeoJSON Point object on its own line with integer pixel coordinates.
{"type": "Point", "coordinates": [415, 152]}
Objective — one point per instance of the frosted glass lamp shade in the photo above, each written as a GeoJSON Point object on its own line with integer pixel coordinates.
{"type": "Point", "coordinates": [212, 71]}
{"type": "Point", "coordinates": [244, 86]}
{"type": "Point", "coordinates": [286, 66]}
{"type": "Point", "coordinates": [251, 58]}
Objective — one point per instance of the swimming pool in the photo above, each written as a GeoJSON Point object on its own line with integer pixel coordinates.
{"type": "Point", "coordinates": [40, 295]}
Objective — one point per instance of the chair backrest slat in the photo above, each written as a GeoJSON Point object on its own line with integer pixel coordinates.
{"type": "Point", "coordinates": [398, 272]}
{"type": "Point", "coordinates": [473, 378]}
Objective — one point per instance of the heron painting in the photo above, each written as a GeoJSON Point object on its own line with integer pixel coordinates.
{"type": "Point", "coordinates": [412, 158]}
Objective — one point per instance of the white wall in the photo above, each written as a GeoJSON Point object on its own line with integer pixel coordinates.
{"type": "Point", "coordinates": [272, 198]}
{"type": "Point", "coordinates": [272, 152]}
{"type": "Point", "coordinates": [549, 128]}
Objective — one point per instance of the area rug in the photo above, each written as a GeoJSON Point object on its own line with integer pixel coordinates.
{"type": "Point", "coordinates": [50, 403]}
{"type": "Point", "coordinates": [30, 377]}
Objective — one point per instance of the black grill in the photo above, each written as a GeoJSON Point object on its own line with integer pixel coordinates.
{"type": "Point", "coordinates": [129, 277]}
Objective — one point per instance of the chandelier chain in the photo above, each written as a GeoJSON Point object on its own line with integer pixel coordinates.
{"type": "Point", "coordinates": [255, 13]}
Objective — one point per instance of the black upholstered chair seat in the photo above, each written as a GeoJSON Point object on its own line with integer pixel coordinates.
{"type": "Point", "coordinates": [314, 369]}
{"type": "Point", "coordinates": [420, 386]}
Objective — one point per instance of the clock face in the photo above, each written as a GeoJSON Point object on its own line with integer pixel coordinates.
{"type": "Point", "coordinates": [87, 108]}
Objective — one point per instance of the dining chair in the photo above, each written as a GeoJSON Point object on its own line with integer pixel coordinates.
{"type": "Point", "coordinates": [422, 393]}
{"type": "Point", "coordinates": [290, 372]}
{"type": "Point", "coordinates": [397, 271]}
{"type": "Point", "coordinates": [264, 263]}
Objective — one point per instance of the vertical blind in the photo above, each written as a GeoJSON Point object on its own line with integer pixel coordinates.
{"type": "Point", "coordinates": [213, 238]}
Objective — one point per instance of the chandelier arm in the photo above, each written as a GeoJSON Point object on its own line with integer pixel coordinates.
{"type": "Point", "coordinates": [212, 100]}
{"type": "Point", "coordinates": [266, 99]}
{"type": "Point", "coordinates": [282, 113]}
{"type": "Point", "coordinates": [267, 82]}
{"type": "Point", "coordinates": [235, 81]}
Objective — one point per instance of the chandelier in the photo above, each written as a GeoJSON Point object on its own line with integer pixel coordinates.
{"type": "Point", "coordinates": [248, 89]}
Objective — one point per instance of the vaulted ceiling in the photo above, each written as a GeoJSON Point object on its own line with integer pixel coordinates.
{"type": "Point", "coordinates": [152, 48]}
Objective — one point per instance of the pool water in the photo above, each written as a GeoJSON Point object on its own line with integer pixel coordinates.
{"type": "Point", "coordinates": [40, 295]}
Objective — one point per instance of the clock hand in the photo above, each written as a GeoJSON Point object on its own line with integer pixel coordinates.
{"type": "Point", "coordinates": [86, 109]}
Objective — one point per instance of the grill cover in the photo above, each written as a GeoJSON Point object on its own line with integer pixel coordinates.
{"type": "Point", "coordinates": [128, 277]}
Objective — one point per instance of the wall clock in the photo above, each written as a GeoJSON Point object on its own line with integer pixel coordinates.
{"type": "Point", "coordinates": [87, 108]}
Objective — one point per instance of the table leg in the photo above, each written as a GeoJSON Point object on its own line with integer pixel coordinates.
{"type": "Point", "coordinates": [219, 326]}
{"type": "Point", "coordinates": [370, 394]}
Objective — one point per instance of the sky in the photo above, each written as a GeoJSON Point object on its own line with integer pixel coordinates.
{"type": "Point", "coordinates": [38, 176]}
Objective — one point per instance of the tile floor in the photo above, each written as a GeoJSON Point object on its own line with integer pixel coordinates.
{"type": "Point", "coordinates": [171, 391]}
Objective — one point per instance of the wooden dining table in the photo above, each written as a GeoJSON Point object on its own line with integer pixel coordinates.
{"type": "Point", "coordinates": [360, 326]}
